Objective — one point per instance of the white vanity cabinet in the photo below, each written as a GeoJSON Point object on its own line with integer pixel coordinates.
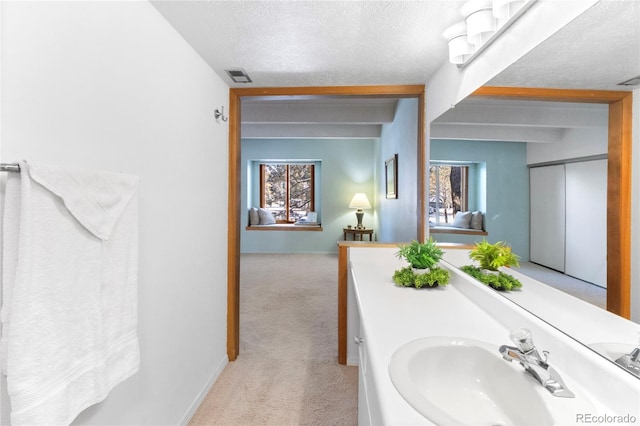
{"type": "Point", "coordinates": [385, 317]}
{"type": "Point", "coordinates": [368, 412]}
{"type": "Point", "coordinates": [368, 402]}
{"type": "Point", "coordinates": [364, 417]}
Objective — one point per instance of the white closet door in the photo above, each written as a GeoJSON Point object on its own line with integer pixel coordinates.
{"type": "Point", "coordinates": [547, 209]}
{"type": "Point", "coordinates": [586, 240]}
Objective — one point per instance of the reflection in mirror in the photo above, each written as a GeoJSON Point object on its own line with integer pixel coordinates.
{"type": "Point", "coordinates": [610, 335]}
{"type": "Point", "coordinates": [537, 172]}
{"type": "Point", "coordinates": [521, 208]}
{"type": "Point", "coordinates": [619, 329]}
{"type": "Point", "coordinates": [583, 290]}
{"type": "Point", "coordinates": [595, 52]}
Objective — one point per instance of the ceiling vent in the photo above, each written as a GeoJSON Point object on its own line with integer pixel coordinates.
{"type": "Point", "coordinates": [631, 82]}
{"type": "Point", "coordinates": [238, 75]}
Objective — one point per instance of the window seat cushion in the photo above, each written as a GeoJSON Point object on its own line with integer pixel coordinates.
{"type": "Point", "coordinates": [266, 217]}
{"type": "Point", "coordinates": [454, 230]}
{"type": "Point", "coordinates": [285, 227]}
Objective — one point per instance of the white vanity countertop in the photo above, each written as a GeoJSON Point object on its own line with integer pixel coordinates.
{"type": "Point", "coordinates": [393, 316]}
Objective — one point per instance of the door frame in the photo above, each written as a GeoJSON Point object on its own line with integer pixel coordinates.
{"type": "Point", "coordinates": [619, 168]}
{"type": "Point", "coordinates": [234, 197]}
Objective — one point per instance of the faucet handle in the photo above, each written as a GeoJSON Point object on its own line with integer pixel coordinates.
{"type": "Point", "coordinates": [522, 338]}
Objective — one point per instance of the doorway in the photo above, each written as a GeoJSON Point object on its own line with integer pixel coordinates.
{"type": "Point", "coordinates": [234, 208]}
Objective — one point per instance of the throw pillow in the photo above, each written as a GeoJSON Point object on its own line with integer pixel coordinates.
{"type": "Point", "coordinates": [461, 220]}
{"type": "Point", "coordinates": [476, 221]}
{"type": "Point", "coordinates": [266, 218]}
{"type": "Point", "coordinates": [254, 218]}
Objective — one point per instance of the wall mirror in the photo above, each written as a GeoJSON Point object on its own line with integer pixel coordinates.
{"type": "Point", "coordinates": [391, 176]}
{"type": "Point", "coordinates": [580, 68]}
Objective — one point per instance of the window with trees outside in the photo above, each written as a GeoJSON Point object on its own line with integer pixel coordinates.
{"type": "Point", "coordinates": [287, 190]}
{"type": "Point", "coordinates": [448, 192]}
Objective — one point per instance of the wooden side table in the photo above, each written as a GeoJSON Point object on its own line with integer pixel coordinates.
{"type": "Point", "coordinates": [357, 233]}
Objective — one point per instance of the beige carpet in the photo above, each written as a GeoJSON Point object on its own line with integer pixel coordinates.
{"type": "Point", "coordinates": [581, 289]}
{"type": "Point", "coordinates": [287, 372]}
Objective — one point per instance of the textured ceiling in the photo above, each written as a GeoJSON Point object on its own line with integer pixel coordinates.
{"type": "Point", "coordinates": [317, 43]}
{"type": "Point", "coordinates": [598, 50]}
{"type": "Point", "coordinates": [333, 43]}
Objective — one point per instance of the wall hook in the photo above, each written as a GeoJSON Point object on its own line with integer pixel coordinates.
{"type": "Point", "coordinates": [219, 113]}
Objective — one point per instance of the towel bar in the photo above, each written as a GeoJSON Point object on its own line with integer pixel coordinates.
{"type": "Point", "coordinates": [5, 167]}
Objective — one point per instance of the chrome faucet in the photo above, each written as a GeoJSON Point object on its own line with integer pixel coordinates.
{"type": "Point", "coordinates": [631, 361]}
{"type": "Point", "coordinates": [528, 356]}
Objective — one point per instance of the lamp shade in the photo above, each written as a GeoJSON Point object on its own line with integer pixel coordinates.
{"type": "Point", "coordinates": [360, 201]}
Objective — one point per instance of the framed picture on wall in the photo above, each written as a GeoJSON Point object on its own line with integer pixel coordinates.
{"type": "Point", "coordinates": [391, 176]}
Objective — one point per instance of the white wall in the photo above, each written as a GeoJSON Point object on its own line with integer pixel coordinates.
{"type": "Point", "coordinates": [112, 86]}
{"type": "Point", "coordinates": [397, 218]}
{"type": "Point", "coordinates": [575, 143]}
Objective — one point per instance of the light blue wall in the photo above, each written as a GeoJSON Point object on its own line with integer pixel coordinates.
{"type": "Point", "coordinates": [347, 167]}
{"type": "Point", "coordinates": [397, 219]}
{"type": "Point", "coordinates": [507, 189]}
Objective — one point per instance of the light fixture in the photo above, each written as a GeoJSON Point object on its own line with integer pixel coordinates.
{"type": "Point", "coordinates": [505, 9]}
{"type": "Point", "coordinates": [359, 201]}
{"type": "Point", "coordinates": [459, 48]}
{"type": "Point", "coordinates": [238, 75]}
{"type": "Point", "coordinates": [481, 24]}
{"type": "Point", "coordinates": [484, 21]}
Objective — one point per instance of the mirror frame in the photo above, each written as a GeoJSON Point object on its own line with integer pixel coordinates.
{"type": "Point", "coordinates": [618, 179]}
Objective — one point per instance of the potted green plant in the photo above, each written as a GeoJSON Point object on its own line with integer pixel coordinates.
{"type": "Point", "coordinates": [421, 255]}
{"type": "Point", "coordinates": [492, 257]}
{"type": "Point", "coordinates": [423, 271]}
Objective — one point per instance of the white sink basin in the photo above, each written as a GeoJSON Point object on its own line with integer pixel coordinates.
{"type": "Point", "coordinates": [464, 381]}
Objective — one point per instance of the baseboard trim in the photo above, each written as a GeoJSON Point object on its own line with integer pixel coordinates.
{"type": "Point", "coordinates": [203, 393]}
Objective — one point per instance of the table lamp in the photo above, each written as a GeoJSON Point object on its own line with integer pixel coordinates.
{"type": "Point", "coordinates": [359, 201]}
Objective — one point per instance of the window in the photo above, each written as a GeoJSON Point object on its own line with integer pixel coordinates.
{"type": "Point", "coordinates": [287, 190]}
{"type": "Point", "coordinates": [448, 191]}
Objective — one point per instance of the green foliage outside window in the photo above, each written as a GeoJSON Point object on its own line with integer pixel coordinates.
{"type": "Point", "coordinates": [288, 190]}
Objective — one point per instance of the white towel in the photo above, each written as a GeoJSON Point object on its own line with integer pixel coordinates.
{"type": "Point", "coordinates": [69, 312]}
